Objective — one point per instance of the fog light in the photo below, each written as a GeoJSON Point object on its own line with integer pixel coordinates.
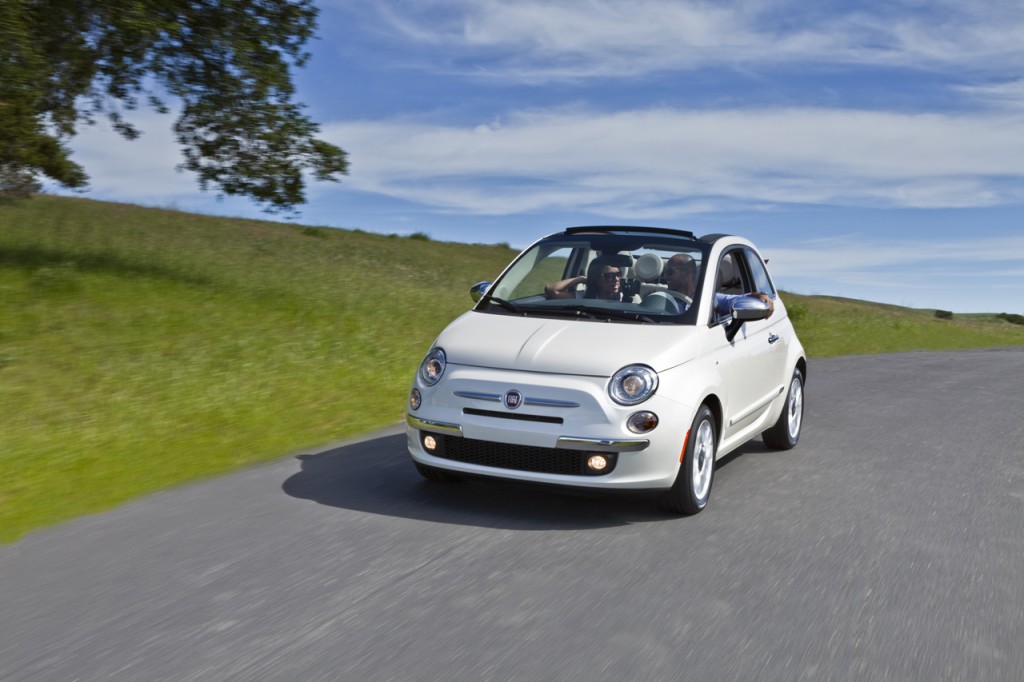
{"type": "Point", "coordinates": [415, 399]}
{"type": "Point", "coordinates": [430, 443]}
{"type": "Point", "coordinates": [642, 422]}
{"type": "Point", "coordinates": [597, 462]}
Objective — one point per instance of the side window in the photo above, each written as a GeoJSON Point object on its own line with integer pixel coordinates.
{"type": "Point", "coordinates": [762, 283]}
{"type": "Point", "coordinates": [732, 280]}
{"type": "Point", "coordinates": [730, 274]}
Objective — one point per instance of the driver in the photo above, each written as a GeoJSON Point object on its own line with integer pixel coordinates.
{"type": "Point", "coordinates": [680, 275]}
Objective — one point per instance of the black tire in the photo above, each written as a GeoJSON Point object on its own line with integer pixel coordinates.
{"type": "Point", "coordinates": [786, 432]}
{"type": "Point", "coordinates": [434, 474]}
{"type": "Point", "coordinates": [692, 488]}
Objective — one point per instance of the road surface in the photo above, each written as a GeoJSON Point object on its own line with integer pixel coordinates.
{"type": "Point", "coordinates": [889, 545]}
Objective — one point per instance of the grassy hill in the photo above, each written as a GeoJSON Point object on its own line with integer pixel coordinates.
{"type": "Point", "coordinates": [830, 326]}
{"type": "Point", "coordinates": [140, 348]}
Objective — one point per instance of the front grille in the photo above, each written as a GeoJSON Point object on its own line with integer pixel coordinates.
{"type": "Point", "coordinates": [520, 457]}
{"type": "Point", "coordinates": [512, 415]}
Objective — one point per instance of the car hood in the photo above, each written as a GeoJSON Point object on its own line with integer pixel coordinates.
{"type": "Point", "coordinates": [583, 347]}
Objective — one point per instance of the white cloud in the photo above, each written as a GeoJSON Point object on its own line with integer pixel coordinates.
{"type": "Point", "coordinates": [538, 41]}
{"type": "Point", "coordinates": [856, 259]}
{"type": "Point", "coordinates": [645, 164]}
{"type": "Point", "coordinates": [960, 274]}
{"type": "Point", "coordinates": [140, 170]}
{"type": "Point", "coordinates": [144, 171]}
{"type": "Point", "coordinates": [1005, 95]}
{"type": "Point", "coordinates": [664, 162]}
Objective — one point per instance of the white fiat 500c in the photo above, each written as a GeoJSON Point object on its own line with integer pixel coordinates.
{"type": "Point", "coordinates": [617, 358]}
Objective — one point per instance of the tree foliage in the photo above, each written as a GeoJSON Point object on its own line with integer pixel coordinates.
{"type": "Point", "coordinates": [65, 62]}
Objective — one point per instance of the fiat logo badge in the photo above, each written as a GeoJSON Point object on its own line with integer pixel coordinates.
{"type": "Point", "coordinates": [512, 399]}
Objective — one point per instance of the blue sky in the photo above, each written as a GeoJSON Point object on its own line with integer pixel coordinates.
{"type": "Point", "coordinates": [873, 150]}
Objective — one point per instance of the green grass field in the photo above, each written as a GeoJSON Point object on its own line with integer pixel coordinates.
{"type": "Point", "coordinates": [140, 348]}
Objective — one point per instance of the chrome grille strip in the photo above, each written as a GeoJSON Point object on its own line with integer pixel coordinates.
{"type": "Point", "coordinates": [496, 398]}
{"type": "Point", "coordinates": [473, 395]}
{"type": "Point", "coordinates": [544, 402]}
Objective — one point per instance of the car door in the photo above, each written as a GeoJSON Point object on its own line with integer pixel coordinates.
{"type": "Point", "coordinates": [780, 333]}
{"type": "Point", "coordinates": [749, 379]}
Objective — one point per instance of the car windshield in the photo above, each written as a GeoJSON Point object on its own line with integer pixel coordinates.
{"type": "Point", "coordinates": [621, 277]}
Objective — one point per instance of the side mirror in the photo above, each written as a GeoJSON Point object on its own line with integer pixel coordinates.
{"type": "Point", "coordinates": [746, 309]}
{"type": "Point", "coordinates": [477, 291]}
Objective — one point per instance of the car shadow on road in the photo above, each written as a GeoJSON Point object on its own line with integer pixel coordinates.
{"type": "Point", "coordinates": [377, 476]}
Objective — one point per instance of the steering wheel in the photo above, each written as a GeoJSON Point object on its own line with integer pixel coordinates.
{"type": "Point", "coordinates": [665, 302]}
{"type": "Point", "coordinates": [681, 296]}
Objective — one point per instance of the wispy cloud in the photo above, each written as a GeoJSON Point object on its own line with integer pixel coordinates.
{"type": "Point", "coordinates": [665, 162]}
{"type": "Point", "coordinates": [1001, 95]}
{"type": "Point", "coordinates": [959, 274]}
{"type": "Point", "coordinates": [850, 256]}
{"type": "Point", "coordinates": [538, 41]}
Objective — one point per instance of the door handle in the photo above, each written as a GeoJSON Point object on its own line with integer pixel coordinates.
{"type": "Point", "coordinates": [773, 338]}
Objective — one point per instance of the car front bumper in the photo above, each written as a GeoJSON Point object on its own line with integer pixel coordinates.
{"type": "Point", "coordinates": [563, 419]}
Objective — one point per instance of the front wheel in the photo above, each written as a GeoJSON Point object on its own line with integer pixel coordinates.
{"type": "Point", "coordinates": [786, 431]}
{"type": "Point", "coordinates": [692, 488]}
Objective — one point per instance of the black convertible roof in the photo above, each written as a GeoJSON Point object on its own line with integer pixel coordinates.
{"type": "Point", "coordinates": [629, 228]}
{"type": "Point", "coordinates": [589, 229]}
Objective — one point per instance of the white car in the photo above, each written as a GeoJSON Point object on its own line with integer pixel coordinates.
{"type": "Point", "coordinates": [619, 358]}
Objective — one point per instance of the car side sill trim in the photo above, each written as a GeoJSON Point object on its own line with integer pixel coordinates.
{"type": "Point", "coordinates": [757, 408]}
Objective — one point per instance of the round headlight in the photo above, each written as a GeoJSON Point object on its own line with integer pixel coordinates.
{"type": "Point", "coordinates": [633, 384]}
{"type": "Point", "coordinates": [432, 367]}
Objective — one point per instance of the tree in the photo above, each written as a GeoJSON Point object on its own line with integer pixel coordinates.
{"type": "Point", "coordinates": [65, 62]}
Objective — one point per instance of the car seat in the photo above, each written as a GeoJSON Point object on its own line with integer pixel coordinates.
{"type": "Point", "coordinates": [647, 269]}
{"type": "Point", "coordinates": [729, 281]}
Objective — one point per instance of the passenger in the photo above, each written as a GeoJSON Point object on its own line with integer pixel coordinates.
{"type": "Point", "coordinates": [603, 280]}
{"type": "Point", "coordinates": [680, 275]}
{"type": "Point", "coordinates": [723, 302]}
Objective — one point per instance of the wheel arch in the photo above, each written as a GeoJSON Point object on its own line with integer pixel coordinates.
{"type": "Point", "coordinates": [801, 364]}
{"type": "Point", "coordinates": [715, 405]}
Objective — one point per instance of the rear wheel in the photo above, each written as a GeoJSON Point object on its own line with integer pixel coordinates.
{"type": "Point", "coordinates": [786, 431]}
{"type": "Point", "coordinates": [692, 488]}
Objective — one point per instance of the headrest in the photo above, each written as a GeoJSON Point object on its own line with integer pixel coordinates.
{"type": "Point", "coordinates": [727, 276]}
{"type": "Point", "coordinates": [648, 267]}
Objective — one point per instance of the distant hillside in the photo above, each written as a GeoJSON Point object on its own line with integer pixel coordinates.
{"type": "Point", "coordinates": [141, 347]}
{"type": "Point", "coordinates": [830, 326]}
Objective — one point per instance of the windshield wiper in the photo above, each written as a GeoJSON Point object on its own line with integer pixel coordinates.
{"type": "Point", "coordinates": [595, 312]}
{"type": "Point", "coordinates": [507, 305]}
{"type": "Point", "coordinates": [566, 311]}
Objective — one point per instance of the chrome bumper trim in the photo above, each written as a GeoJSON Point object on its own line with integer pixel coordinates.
{"type": "Point", "coordinates": [432, 426]}
{"type": "Point", "coordinates": [602, 444]}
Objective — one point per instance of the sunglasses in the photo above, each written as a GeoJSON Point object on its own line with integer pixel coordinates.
{"type": "Point", "coordinates": [611, 276]}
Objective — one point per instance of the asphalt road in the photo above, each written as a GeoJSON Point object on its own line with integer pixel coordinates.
{"type": "Point", "coordinates": [889, 545]}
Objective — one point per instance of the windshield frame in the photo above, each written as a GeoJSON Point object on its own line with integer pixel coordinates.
{"type": "Point", "coordinates": [584, 245]}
